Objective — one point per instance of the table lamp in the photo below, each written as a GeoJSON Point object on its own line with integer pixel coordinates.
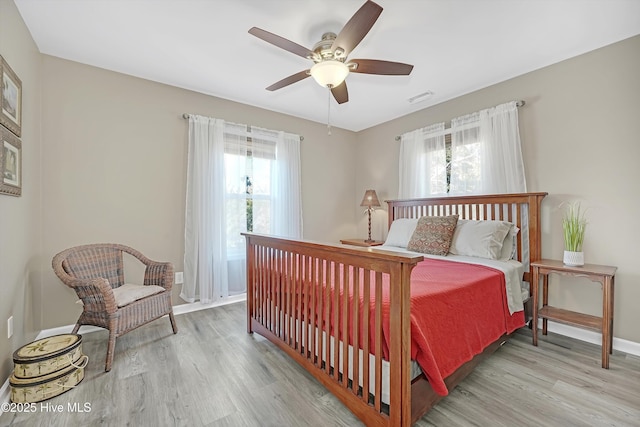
{"type": "Point", "coordinates": [370, 201]}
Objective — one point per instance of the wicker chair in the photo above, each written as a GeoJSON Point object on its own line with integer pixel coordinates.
{"type": "Point", "coordinates": [95, 273]}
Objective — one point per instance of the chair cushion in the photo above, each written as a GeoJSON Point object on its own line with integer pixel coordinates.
{"type": "Point", "coordinates": [128, 293]}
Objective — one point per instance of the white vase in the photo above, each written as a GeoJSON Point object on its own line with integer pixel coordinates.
{"type": "Point", "coordinates": [573, 259]}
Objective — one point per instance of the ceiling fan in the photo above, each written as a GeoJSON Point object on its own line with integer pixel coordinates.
{"type": "Point", "coordinates": [331, 66]}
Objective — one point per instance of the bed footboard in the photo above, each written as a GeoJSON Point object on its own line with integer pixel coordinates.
{"type": "Point", "coordinates": [322, 305]}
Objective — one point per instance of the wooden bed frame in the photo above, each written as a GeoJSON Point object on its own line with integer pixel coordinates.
{"type": "Point", "coordinates": [287, 305]}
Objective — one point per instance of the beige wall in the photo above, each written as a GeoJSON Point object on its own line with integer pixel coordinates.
{"type": "Point", "coordinates": [114, 168]}
{"type": "Point", "coordinates": [20, 217]}
{"type": "Point", "coordinates": [580, 130]}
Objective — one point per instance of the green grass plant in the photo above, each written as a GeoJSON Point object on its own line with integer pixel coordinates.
{"type": "Point", "coordinates": [574, 224]}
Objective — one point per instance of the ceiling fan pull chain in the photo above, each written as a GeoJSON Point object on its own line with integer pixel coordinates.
{"type": "Point", "coordinates": [329, 111]}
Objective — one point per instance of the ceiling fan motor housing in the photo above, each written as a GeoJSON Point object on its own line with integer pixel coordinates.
{"type": "Point", "coordinates": [322, 50]}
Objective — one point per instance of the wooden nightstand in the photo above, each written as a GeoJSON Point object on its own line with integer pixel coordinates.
{"type": "Point", "coordinates": [602, 274]}
{"type": "Point", "coordinates": [360, 242]}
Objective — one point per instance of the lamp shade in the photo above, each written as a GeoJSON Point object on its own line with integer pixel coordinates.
{"type": "Point", "coordinates": [370, 199]}
{"type": "Point", "coordinates": [329, 73]}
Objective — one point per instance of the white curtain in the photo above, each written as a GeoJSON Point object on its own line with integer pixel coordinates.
{"type": "Point", "coordinates": [205, 263]}
{"type": "Point", "coordinates": [423, 162]}
{"type": "Point", "coordinates": [466, 156]}
{"type": "Point", "coordinates": [486, 152]}
{"type": "Point", "coordinates": [237, 177]}
{"type": "Point", "coordinates": [505, 166]}
{"type": "Point", "coordinates": [286, 188]}
{"type": "Point", "coordinates": [492, 136]}
{"type": "Point", "coordinates": [239, 166]}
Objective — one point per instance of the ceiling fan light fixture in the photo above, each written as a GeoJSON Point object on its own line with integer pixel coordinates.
{"type": "Point", "coordinates": [329, 73]}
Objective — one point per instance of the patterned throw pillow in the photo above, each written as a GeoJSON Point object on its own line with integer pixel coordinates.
{"type": "Point", "coordinates": [433, 234]}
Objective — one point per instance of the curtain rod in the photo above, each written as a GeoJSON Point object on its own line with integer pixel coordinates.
{"type": "Point", "coordinates": [186, 116]}
{"type": "Point", "coordinates": [518, 104]}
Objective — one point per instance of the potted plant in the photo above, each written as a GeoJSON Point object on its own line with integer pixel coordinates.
{"type": "Point", "coordinates": [574, 225]}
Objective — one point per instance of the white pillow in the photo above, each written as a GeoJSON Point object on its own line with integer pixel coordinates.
{"type": "Point", "coordinates": [400, 232]}
{"type": "Point", "coordinates": [482, 239]}
{"type": "Point", "coordinates": [509, 245]}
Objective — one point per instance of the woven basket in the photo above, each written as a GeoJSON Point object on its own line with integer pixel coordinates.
{"type": "Point", "coordinates": [47, 355]}
{"type": "Point", "coordinates": [47, 368]}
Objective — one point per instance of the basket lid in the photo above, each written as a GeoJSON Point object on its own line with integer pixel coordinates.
{"type": "Point", "coordinates": [46, 348]}
{"type": "Point", "coordinates": [52, 376]}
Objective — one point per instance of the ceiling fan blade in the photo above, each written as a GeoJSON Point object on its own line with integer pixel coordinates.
{"type": "Point", "coordinates": [281, 42]}
{"type": "Point", "coordinates": [358, 26]}
{"type": "Point", "coordinates": [374, 66]}
{"type": "Point", "coordinates": [340, 93]}
{"type": "Point", "coordinates": [289, 80]}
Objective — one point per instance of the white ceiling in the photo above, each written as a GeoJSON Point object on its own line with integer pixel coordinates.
{"type": "Point", "coordinates": [457, 46]}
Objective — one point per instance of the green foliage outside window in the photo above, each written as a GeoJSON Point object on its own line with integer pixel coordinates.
{"type": "Point", "coordinates": [249, 192]}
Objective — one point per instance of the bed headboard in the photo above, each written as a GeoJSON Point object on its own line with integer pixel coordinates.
{"type": "Point", "coordinates": [522, 209]}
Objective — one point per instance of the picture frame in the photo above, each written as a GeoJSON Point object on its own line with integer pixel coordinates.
{"type": "Point", "coordinates": [10, 163]}
{"type": "Point", "coordinates": [10, 98]}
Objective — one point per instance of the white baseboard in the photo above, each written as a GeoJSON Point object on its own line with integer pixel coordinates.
{"type": "Point", "coordinates": [196, 306]}
{"type": "Point", "coordinates": [619, 344]}
{"type": "Point", "coordinates": [5, 393]}
{"type": "Point", "coordinates": [625, 346]}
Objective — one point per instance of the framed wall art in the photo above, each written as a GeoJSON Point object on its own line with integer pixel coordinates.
{"type": "Point", "coordinates": [10, 99]}
{"type": "Point", "coordinates": [10, 163]}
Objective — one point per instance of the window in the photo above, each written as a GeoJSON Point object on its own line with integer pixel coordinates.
{"type": "Point", "coordinates": [454, 167]}
{"type": "Point", "coordinates": [463, 165]}
{"type": "Point", "coordinates": [239, 178]}
{"type": "Point", "coordinates": [248, 165]}
{"type": "Point", "coordinates": [423, 162]}
{"type": "Point", "coordinates": [479, 154]}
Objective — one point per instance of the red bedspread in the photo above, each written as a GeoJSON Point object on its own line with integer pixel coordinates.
{"type": "Point", "coordinates": [457, 310]}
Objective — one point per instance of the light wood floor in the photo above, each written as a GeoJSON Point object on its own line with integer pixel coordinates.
{"type": "Point", "coordinates": [212, 373]}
